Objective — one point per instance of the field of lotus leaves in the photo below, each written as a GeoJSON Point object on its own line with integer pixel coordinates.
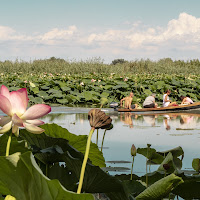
{"type": "Point", "coordinates": [92, 89]}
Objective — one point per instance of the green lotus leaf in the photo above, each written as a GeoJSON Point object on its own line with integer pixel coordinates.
{"type": "Point", "coordinates": [78, 142]}
{"type": "Point", "coordinates": [21, 177]}
{"type": "Point", "coordinates": [161, 188]}
{"type": "Point", "coordinates": [15, 146]}
{"type": "Point", "coordinates": [196, 164]}
{"type": "Point", "coordinates": [151, 154]}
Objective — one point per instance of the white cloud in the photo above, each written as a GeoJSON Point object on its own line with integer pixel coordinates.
{"type": "Point", "coordinates": [179, 39]}
{"type": "Point", "coordinates": [56, 34]}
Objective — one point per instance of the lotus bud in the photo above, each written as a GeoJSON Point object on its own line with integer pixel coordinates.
{"type": "Point", "coordinates": [98, 119]}
{"type": "Point", "coordinates": [133, 150]}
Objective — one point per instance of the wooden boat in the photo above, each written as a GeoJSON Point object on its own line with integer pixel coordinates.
{"type": "Point", "coordinates": [191, 107]}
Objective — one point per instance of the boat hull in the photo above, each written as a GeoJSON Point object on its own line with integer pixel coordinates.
{"type": "Point", "coordinates": [185, 108]}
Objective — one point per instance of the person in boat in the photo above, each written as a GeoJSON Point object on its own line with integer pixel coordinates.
{"type": "Point", "coordinates": [150, 102]}
{"type": "Point", "coordinates": [166, 101]}
{"type": "Point", "coordinates": [127, 102]}
{"type": "Point", "coordinates": [186, 100]}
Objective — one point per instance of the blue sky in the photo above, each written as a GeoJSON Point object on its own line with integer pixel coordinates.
{"type": "Point", "coordinates": [110, 29]}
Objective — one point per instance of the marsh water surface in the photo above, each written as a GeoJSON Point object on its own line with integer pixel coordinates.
{"type": "Point", "coordinates": [163, 132]}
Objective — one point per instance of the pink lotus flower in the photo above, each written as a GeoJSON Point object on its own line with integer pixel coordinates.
{"type": "Point", "coordinates": [14, 104]}
{"type": "Point", "coordinates": [93, 80]}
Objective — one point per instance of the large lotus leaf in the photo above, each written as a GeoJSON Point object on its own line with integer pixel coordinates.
{"type": "Point", "coordinates": [151, 178]}
{"type": "Point", "coordinates": [161, 188]}
{"type": "Point", "coordinates": [160, 84]}
{"type": "Point", "coordinates": [78, 142]}
{"type": "Point", "coordinates": [151, 154]}
{"type": "Point", "coordinates": [176, 152]}
{"type": "Point", "coordinates": [15, 146]}
{"type": "Point", "coordinates": [45, 87]}
{"type": "Point", "coordinates": [43, 95]}
{"type": "Point", "coordinates": [105, 94]}
{"type": "Point", "coordinates": [133, 187]}
{"type": "Point", "coordinates": [34, 89]}
{"type": "Point", "coordinates": [62, 101]}
{"type": "Point", "coordinates": [170, 164]}
{"type": "Point", "coordinates": [23, 179]}
{"type": "Point", "coordinates": [87, 95]}
{"type": "Point", "coordinates": [108, 87]}
{"type": "Point", "coordinates": [95, 179]}
{"type": "Point", "coordinates": [66, 177]}
{"type": "Point", "coordinates": [38, 100]}
{"type": "Point", "coordinates": [196, 164]}
{"type": "Point", "coordinates": [190, 188]}
{"type": "Point", "coordinates": [49, 149]}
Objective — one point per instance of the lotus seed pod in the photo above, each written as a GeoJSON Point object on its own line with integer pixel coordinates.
{"type": "Point", "coordinates": [98, 119]}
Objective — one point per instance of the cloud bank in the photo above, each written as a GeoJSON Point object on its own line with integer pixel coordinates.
{"type": "Point", "coordinates": [179, 39]}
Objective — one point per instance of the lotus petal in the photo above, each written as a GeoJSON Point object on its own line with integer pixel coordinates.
{"type": "Point", "coordinates": [4, 120]}
{"type": "Point", "coordinates": [36, 111]}
{"type": "Point", "coordinates": [33, 129]}
{"type": "Point", "coordinates": [24, 96]}
{"type": "Point", "coordinates": [6, 127]}
{"type": "Point", "coordinates": [36, 122]}
{"type": "Point", "coordinates": [4, 91]}
{"type": "Point", "coordinates": [5, 105]}
{"type": "Point", "coordinates": [15, 130]}
{"type": "Point", "coordinates": [18, 106]}
{"type": "Point", "coordinates": [17, 121]}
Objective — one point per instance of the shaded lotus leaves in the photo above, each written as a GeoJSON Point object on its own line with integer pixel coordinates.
{"type": "Point", "coordinates": [190, 188]}
{"type": "Point", "coordinates": [176, 152]}
{"type": "Point", "coordinates": [196, 164]}
{"type": "Point", "coordinates": [66, 177]}
{"type": "Point", "coordinates": [78, 142]}
{"type": "Point", "coordinates": [48, 149]}
{"type": "Point", "coordinates": [170, 164]}
{"type": "Point", "coordinates": [133, 187]}
{"type": "Point", "coordinates": [15, 146]}
{"type": "Point", "coordinates": [95, 179]}
{"type": "Point", "coordinates": [151, 154]}
{"type": "Point", "coordinates": [153, 177]}
{"type": "Point", "coordinates": [21, 177]}
{"type": "Point", "coordinates": [161, 188]}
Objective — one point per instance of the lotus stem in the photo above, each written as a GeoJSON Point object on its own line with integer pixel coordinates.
{"type": "Point", "coordinates": [103, 140]}
{"type": "Point", "coordinates": [97, 137]}
{"type": "Point", "coordinates": [8, 144]}
{"type": "Point", "coordinates": [132, 169]}
{"type": "Point", "coordinates": [85, 160]}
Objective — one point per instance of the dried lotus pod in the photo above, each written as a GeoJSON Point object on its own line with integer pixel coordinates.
{"type": "Point", "coordinates": [98, 119]}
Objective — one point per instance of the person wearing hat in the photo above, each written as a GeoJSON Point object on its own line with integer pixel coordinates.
{"type": "Point", "coordinates": [150, 101]}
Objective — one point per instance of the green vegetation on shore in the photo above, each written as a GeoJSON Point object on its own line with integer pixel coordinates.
{"type": "Point", "coordinates": [118, 66]}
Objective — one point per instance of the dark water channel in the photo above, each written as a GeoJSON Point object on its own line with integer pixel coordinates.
{"type": "Point", "coordinates": [163, 132]}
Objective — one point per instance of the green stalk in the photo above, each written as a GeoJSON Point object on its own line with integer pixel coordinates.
{"type": "Point", "coordinates": [8, 144]}
{"type": "Point", "coordinates": [97, 136]}
{"type": "Point", "coordinates": [103, 140]}
{"type": "Point", "coordinates": [85, 160]}
{"type": "Point", "coordinates": [132, 169]}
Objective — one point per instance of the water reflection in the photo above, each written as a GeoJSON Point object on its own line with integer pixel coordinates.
{"type": "Point", "coordinates": [163, 131]}
{"type": "Point", "coordinates": [184, 121]}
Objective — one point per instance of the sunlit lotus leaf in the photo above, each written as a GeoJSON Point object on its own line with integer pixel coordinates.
{"type": "Point", "coordinates": [161, 188]}
{"type": "Point", "coordinates": [196, 164]}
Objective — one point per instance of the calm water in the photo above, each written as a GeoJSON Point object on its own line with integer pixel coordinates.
{"type": "Point", "coordinates": [163, 132]}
